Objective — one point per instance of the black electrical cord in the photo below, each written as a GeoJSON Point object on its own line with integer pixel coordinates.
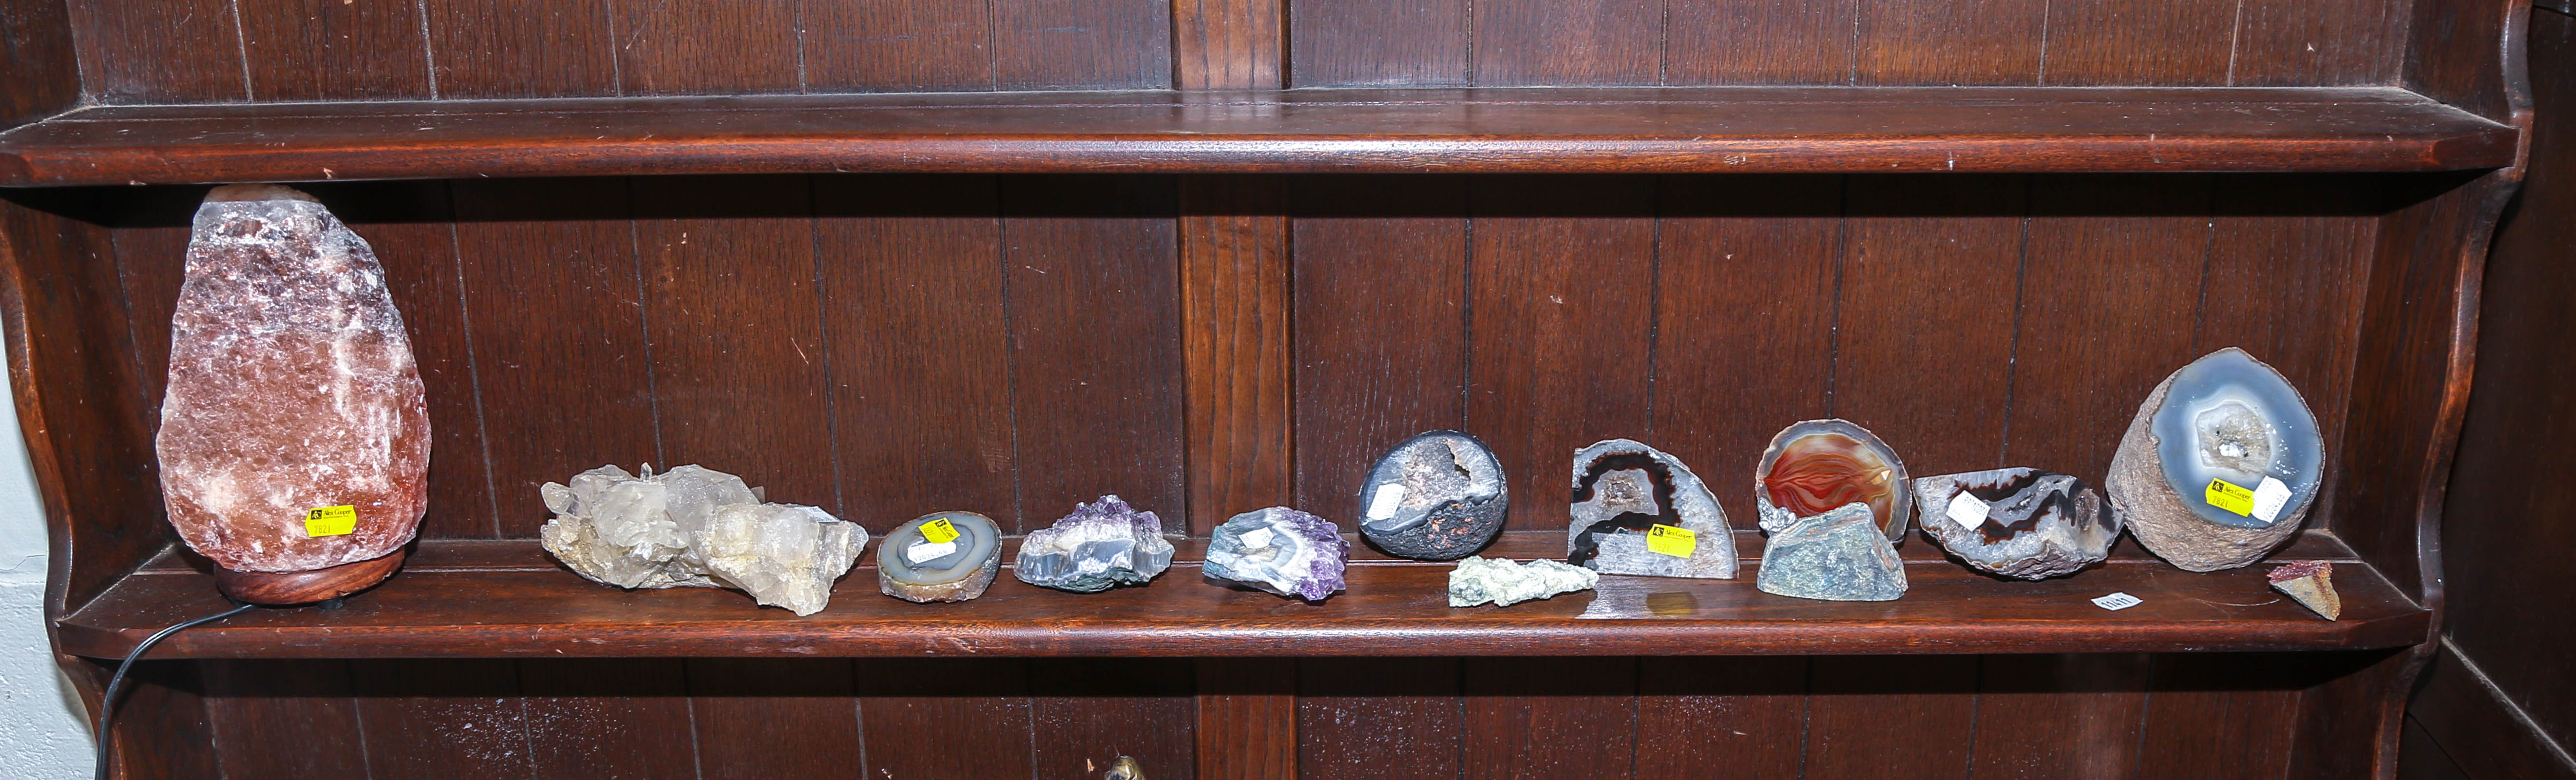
{"type": "Point", "coordinates": [107, 703]}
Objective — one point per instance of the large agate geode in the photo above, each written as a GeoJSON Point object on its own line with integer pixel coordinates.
{"type": "Point", "coordinates": [2220, 464]}
{"type": "Point", "coordinates": [915, 569]}
{"type": "Point", "coordinates": [1817, 466]}
{"type": "Point", "coordinates": [1638, 510]}
{"type": "Point", "coordinates": [1435, 497]}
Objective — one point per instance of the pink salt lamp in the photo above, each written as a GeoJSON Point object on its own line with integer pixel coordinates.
{"type": "Point", "coordinates": [294, 440]}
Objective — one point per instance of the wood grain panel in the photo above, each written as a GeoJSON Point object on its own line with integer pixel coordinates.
{"type": "Point", "coordinates": [511, 49]}
{"type": "Point", "coordinates": [151, 245]}
{"type": "Point", "coordinates": [1380, 355]}
{"type": "Point", "coordinates": [2182, 43]}
{"type": "Point", "coordinates": [1948, 42]}
{"type": "Point", "coordinates": [161, 728]}
{"type": "Point", "coordinates": [1379, 718]}
{"type": "Point", "coordinates": [1562, 279]}
{"type": "Point", "coordinates": [2466, 717]}
{"type": "Point", "coordinates": [740, 364]}
{"type": "Point", "coordinates": [442, 719]}
{"type": "Point", "coordinates": [1227, 44]}
{"type": "Point", "coordinates": [1088, 712]}
{"type": "Point", "coordinates": [1531, 718]}
{"type": "Point", "coordinates": [1365, 43]}
{"type": "Point", "coordinates": [2285, 281]}
{"type": "Point", "coordinates": [159, 51]}
{"type": "Point", "coordinates": [760, 718]}
{"type": "Point", "coordinates": [897, 46]}
{"type": "Point", "coordinates": [2219, 716]}
{"type": "Point", "coordinates": [1562, 42]}
{"type": "Point", "coordinates": [1235, 308]}
{"type": "Point", "coordinates": [406, 223]}
{"type": "Point", "coordinates": [255, 707]}
{"type": "Point", "coordinates": [1722, 718]}
{"type": "Point", "coordinates": [2125, 258]}
{"type": "Point", "coordinates": [916, 709]}
{"type": "Point", "coordinates": [1082, 44]}
{"type": "Point", "coordinates": [42, 58]}
{"type": "Point", "coordinates": [1094, 293]}
{"type": "Point", "coordinates": [1890, 717]}
{"type": "Point", "coordinates": [335, 50]}
{"type": "Point", "coordinates": [608, 717]}
{"type": "Point", "coordinates": [2289, 43]}
{"type": "Point", "coordinates": [2043, 717]}
{"type": "Point", "coordinates": [1758, 42]}
{"type": "Point", "coordinates": [912, 266]}
{"type": "Point", "coordinates": [1912, 363]}
{"type": "Point", "coordinates": [1247, 719]}
{"type": "Point", "coordinates": [681, 47]}
{"type": "Point", "coordinates": [1744, 333]}
{"type": "Point", "coordinates": [564, 333]}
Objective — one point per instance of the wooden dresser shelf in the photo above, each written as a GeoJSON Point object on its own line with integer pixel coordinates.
{"type": "Point", "coordinates": [509, 599]}
{"type": "Point", "coordinates": [1631, 130]}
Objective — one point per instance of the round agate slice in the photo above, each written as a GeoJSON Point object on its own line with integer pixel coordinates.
{"type": "Point", "coordinates": [1816, 466]}
{"type": "Point", "coordinates": [915, 569]}
{"type": "Point", "coordinates": [1438, 496]}
{"type": "Point", "coordinates": [2230, 419]}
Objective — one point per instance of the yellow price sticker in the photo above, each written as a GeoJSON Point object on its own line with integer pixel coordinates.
{"type": "Point", "coordinates": [937, 531]}
{"type": "Point", "coordinates": [330, 521]}
{"type": "Point", "coordinates": [2231, 497]}
{"type": "Point", "coordinates": [1669, 540]}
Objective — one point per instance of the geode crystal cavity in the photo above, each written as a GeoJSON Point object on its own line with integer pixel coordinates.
{"type": "Point", "coordinates": [1280, 550]}
{"type": "Point", "coordinates": [2219, 465]}
{"type": "Point", "coordinates": [1499, 580]}
{"type": "Point", "coordinates": [293, 395]}
{"type": "Point", "coordinates": [700, 528]}
{"type": "Point", "coordinates": [1102, 545]}
{"type": "Point", "coordinates": [958, 567]}
{"type": "Point", "coordinates": [1640, 511]}
{"type": "Point", "coordinates": [1435, 497]}
{"type": "Point", "coordinates": [1836, 556]}
{"type": "Point", "coordinates": [1817, 466]}
{"type": "Point", "coordinates": [2017, 522]}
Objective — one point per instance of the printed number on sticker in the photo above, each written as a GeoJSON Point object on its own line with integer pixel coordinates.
{"type": "Point", "coordinates": [1668, 540]}
{"type": "Point", "coordinates": [330, 521]}
{"type": "Point", "coordinates": [2231, 497]}
{"type": "Point", "coordinates": [937, 531]}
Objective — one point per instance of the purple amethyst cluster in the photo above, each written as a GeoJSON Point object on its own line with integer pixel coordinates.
{"type": "Point", "coordinates": [1280, 550]}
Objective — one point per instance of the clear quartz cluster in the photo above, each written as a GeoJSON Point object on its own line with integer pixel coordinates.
{"type": "Point", "coordinates": [1499, 580]}
{"type": "Point", "coordinates": [292, 388]}
{"type": "Point", "coordinates": [1102, 545]}
{"type": "Point", "coordinates": [700, 528]}
{"type": "Point", "coordinates": [1281, 550]}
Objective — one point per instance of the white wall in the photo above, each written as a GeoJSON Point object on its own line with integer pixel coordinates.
{"type": "Point", "coordinates": [41, 735]}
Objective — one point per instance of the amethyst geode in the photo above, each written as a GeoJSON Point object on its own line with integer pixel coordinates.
{"type": "Point", "coordinates": [1102, 545]}
{"type": "Point", "coordinates": [1280, 550]}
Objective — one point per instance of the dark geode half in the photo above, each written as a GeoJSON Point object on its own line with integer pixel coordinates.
{"type": "Point", "coordinates": [1622, 490]}
{"type": "Point", "coordinates": [1438, 496]}
{"type": "Point", "coordinates": [2017, 522]}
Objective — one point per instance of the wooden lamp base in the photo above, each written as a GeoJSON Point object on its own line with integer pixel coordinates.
{"type": "Point", "coordinates": [277, 589]}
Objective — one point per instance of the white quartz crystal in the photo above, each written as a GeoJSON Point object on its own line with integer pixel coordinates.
{"type": "Point", "coordinates": [1499, 580]}
{"type": "Point", "coordinates": [698, 527]}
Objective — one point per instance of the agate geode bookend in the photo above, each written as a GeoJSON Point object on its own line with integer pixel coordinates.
{"type": "Point", "coordinates": [1640, 511]}
{"type": "Point", "coordinates": [1818, 466]}
{"type": "Point", "coordinates": [1438, 496]}
{"type": "Point", "coordinates": [2017, 522]}
{"type": "Point", "coordinates": [2220, 464]}
{"type": "Point", "coordinates": [954, 559]}
{"type": "Point", "coordinates": [294, 440]}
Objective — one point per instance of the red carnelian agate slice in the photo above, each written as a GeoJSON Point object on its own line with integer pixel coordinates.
{"type": "Point", "coordinates": [1818, 472]}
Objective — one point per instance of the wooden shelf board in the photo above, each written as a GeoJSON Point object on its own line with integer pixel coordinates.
{"type": "Point", "coordinates": [508, 599]}
{"type": "Point", "coordinates": [1634, 130]}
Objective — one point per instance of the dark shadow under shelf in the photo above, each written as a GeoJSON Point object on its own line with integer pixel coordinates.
{"type": "Point", "coordinates": [1618, 130]}
{"type": "Point", "coordinates": [509, 599]}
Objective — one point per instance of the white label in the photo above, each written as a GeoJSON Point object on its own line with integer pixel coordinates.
{"type": "Point", "coordinates": [1383, 505]}
{"type": "Point", "coordinates": [2117, 601]}
{"type": "Point", "coordinates": [928, 551]}
{"type": "Point", "coordinates": [1967, 510]}
{"type": "Point", "coordinates": [1257, 539]}
{"type": "Point", "coordinates": [2269, 498]}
